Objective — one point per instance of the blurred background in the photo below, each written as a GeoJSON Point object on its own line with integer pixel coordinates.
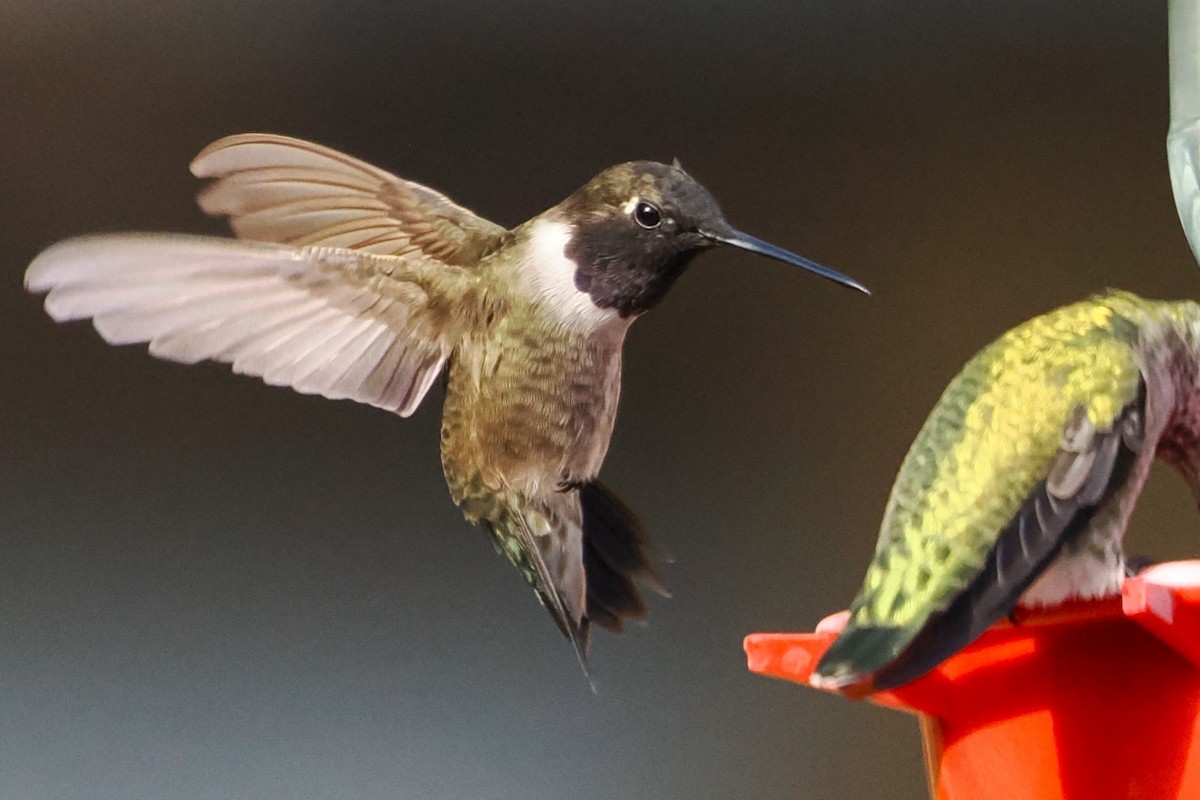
{"type": "Point", "coordinates": [214, 589]}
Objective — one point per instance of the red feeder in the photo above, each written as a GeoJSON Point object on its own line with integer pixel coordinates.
{"type": "Point", "coordinates": [1087, 701]}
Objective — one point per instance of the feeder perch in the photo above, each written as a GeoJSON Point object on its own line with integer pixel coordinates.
{"type": "Point", "coordinates": [1084, 701]}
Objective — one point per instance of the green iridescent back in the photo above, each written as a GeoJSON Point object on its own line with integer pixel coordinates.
{"type": "Point", "coordinates": [988, 442]}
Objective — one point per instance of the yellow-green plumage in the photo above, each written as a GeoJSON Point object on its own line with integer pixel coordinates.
{"type": "Point", "coordinates": [1013, 425]}
{"type": "Point", "coordinates": [990, 438]}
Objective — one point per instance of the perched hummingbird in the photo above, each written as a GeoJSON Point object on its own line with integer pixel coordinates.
{"type": "Point", "coordinates": [1018, 488]}
{"type": "Point", "coordinates": [353, 283]}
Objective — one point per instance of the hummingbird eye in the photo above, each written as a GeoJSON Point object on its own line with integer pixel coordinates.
{"type": "Point", "coordinates": [647, 215]}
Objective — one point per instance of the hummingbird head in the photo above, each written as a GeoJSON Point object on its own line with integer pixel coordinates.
{"type": "Point", "coordinates": [635, 227]}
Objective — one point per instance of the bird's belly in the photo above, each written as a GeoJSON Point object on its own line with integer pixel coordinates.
{"type": "Point", "coordinates": [526, 417]}
{"type": "Point", "coordinates": [1092, 564]}
{"type": "Point", "coordinates": [1085, 574]}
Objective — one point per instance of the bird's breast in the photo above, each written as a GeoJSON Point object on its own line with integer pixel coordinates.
{"type": "Point", "coordinates": [529, 406]}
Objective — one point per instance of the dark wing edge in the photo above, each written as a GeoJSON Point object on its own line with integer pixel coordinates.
{"type": "Point", "coordinates": [1088, 469]}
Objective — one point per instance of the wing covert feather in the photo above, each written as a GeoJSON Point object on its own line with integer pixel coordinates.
{"type": "Point", "coordinates": [280, 189]}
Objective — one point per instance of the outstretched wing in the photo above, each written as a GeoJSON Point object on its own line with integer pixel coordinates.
{"type": "Point", "coordinates": [340, 323]}
{"type": "Point", "coordinates": [285, 190]}
{"type": "Point", "coordinates": [1026, 443]}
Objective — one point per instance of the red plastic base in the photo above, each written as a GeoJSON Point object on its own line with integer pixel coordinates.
{"type": "Point", "coordinates": [1088, 701]}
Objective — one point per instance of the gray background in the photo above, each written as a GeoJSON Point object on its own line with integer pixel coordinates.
{"type": "Point", "coordinates": [214, 589]}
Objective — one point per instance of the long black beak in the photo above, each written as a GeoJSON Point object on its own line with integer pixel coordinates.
{"type": "Point", "coordinates": [754, 245]}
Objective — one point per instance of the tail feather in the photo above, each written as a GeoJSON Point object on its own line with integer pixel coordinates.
{"type": "Point", "coordinates": [616, 553]}
{"type": "Point", "coordinates": [584, 552]}
{"type": "Point", "coordinates": [850, 662]}
{"type": "Point", "coordinates": [546, 561]}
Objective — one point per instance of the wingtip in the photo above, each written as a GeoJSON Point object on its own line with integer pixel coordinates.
{"type": "Point", "coordinates": [196, 165]}
{"type": "Point", "coordinates": [35, 280]}
{"type": "Point", "coordinates": [841, 679]}
{"type": "Point", "coordinates": [204, 165]}
{"type": "Point", "coordinates": [858, 658]}
{"type": "Point", "coordinates": [655, 585]}
{"type": "Point", "coordinates": [42, 274]}
{"type": "Point", "coordinates": [201, 165]}
{"type": "Point", "coordinates": [208, 198]}
{"type": "Point", "coordinates": [854, 689]}
{"type": "Point", "coordinates": [579, 634]}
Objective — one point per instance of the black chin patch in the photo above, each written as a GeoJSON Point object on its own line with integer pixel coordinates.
{"type": "Point", "coordinates": [624, 273]}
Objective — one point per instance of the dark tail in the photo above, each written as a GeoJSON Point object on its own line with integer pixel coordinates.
{"type": "Point", "coordinates": [617, 551]}
{"type": "Point", "coordinates": [581, 549]}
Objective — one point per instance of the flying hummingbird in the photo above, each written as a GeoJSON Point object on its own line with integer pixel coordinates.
{"type": "Point", "coordinates": [350, 282]}
{"type": "Point", "coordinates": [1018, 489]}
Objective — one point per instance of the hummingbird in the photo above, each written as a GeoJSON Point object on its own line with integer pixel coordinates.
{"type": "Point", "coordinates": [349, 282]}
{"type": "Point", "coordinates": [1017, 490]}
